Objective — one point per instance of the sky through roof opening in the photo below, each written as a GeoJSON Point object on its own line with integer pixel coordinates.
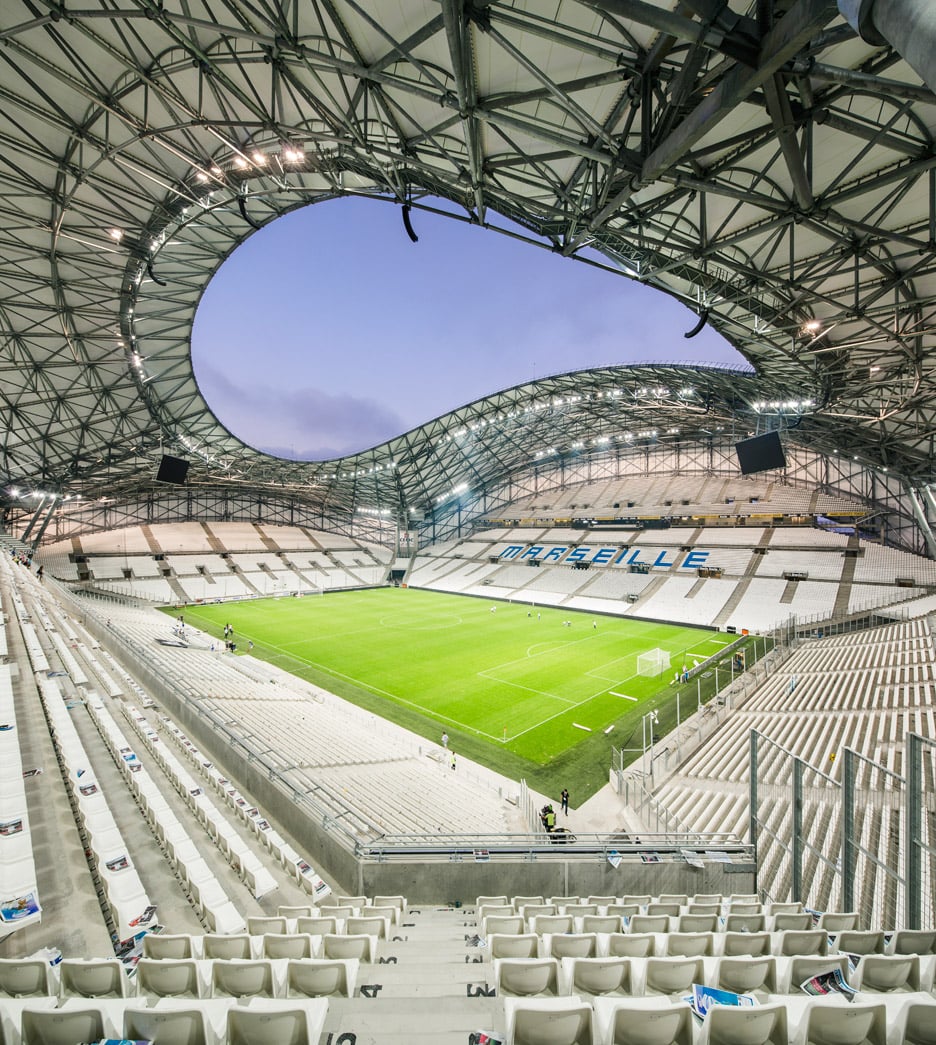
{"type": "Point", "coordinates": [329, 331]}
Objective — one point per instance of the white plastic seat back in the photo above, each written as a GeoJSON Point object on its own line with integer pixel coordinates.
{"type": "Point", "coordinates": [812, 941]}
{"type": "Point", "coordinates": [891, 972]}
{"type": "Point", "coordinates": [672, 975]}
{"type": "Point", "coordinates": [745, 974]}
{"type": "Point", "coordinates": [166, 1026]}
{"type": "Point", "coordinates": [168, 978]}
{"type": "Point", "coordinates": [490, 910]}
{"type": "Point", "coordinates": [598, 975]}
{"type": "Point", "coordinates": [728, 1025]}
{"type": "Point", "coordinates": [295, 912]}
{"type": "Point", "coordinates": [494, 901]}
{"type": "Point", "coordinates": [648, 923]}
{"type": "Point", "coordinates": [745, 923]}
{"type": "Point", "coordinates": [631, 945]}
{"type": "Point", "coordinates": [633, 1022]}
{"type": "Point", "coordinates": [156, 945]}
{"type": "Point", "coordinates": [360, 946]}
{"type": "Point", "coordinates": [551, 923]}
{"type": "Point", "coordinates": [258, 926]}
{"type": "Point", "coordinates": [574, 945]}
{"type": "Point", "coordinates": [61, 1026]}
{"type": "Point", "coordinates": [913, 941]}
{"type": "Point", "coordinates": [508, 945]}
{"type": "Point", "coordinates": [353, 901]}
{"type": "Point", "coordinates": [399, 902]}
{"type": "Point", "coordinates": [855, 1023]}
{"type": "Point", "coordinates": [602, 923]}
{"type": "Point", "coordinates": [317, 926]}
{"type": "Point", "coordinates": [915, 1023]}
{"type": "Point", "coordinates": [378, 927]}
{"type": "Point", "coordinates": [241, 979]}
{"type": "Point", "coordinates": [690, 945]}
{"type": "Point", "coordinates": [288, 945]}
{"type": "Point", "coordinates": [499, 924]}
{"type": "Point", "coordinates": [549, 1021]}
{"type": "Point", "coordinates": [697, 923]}
{"type": "Point", "coordinates": [670, 910]}
{"type": "Point", "coordinates": [785, 921]}
{"type": "Point", "coordinates": [226, 947]}
{"type": "Point", "coordinates": [838, 921]}
{"type": "Point", "coordinates": [745, 943]}
{"type": "Point", "coordinates": [23, 977]}
{"type": "Point", "coordinates": [860, 941]}
{"type": "Point", "coordinates": [92, 978]}
{"type": "Point", "coordinates": [321, 978]}
{"type": "Point", "coordinates": [526, 976]}
{"type": "Point", "coordinates": [280, 1025]}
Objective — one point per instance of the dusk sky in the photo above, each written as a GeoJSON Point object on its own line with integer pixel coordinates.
{"type": "Point", "coordinates": [329, 331]}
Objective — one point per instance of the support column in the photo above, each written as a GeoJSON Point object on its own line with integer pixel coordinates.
{"type": "Point", "coordinates": [32, 522]}
{"type": "Point", "coordinates": [922, 522]}
{"type": "Point", "coordinates": [913, 832]}
{"type": "Point", "coordinates": [45, 522]}
{"type": "Point", "coordinates": [909, 26]}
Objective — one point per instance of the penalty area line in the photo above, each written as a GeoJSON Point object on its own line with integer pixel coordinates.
{"type": "Point", "coordinates": [623, 695]}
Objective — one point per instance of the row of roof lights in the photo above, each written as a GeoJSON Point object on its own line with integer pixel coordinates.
{"type": "Point", "coordinates": [454, 492]}
{"type": "Point", "coordinates": [41, 495]}
{"type": "Point", "coordinates": [287, 154]}
{"type": "Point", "coordinates": [655, 391]}
{"type": "Point", "coordinates": [789, 404]}
{"type": "Point", "coordinates": [358, 472]}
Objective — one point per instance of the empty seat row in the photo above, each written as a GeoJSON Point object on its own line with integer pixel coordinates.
{"type": "Point", "coordinates": [204, 890]}
{"type": "Point", "coordinates": [170, 1022]}
{"type": "Point", "coordinates": [579, 970]}
{"type": "Point", "coordinates": [285, 976]}
{"type": "Point", "coordinates": [17, 864]}
{"type": "Point", "coordinates": [819, 1021]}
{"type": "Point", "coordinates": [641, 900]}
{"type": "Point", "coordinates": [130, 907]}
{"type": "Point", "coordinates": [295, 864]}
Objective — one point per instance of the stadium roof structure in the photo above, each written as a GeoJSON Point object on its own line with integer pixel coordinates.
{"type": "Point", "coordinates": [762, 162]}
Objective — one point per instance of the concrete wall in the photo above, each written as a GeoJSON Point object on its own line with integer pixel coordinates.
{"type": "Point", "coordinates": [428, 881]}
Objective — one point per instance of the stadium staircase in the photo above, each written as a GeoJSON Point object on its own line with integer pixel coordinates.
{"type": "Point", "coordinates": [213, 542]}
{"type": "Point", "coordinates": [179, 592]}
{"type": "Point", "coordinates": [430, 983]}
{"type": "Point", "coordinates": [268, 542]}
{"type": "Point", "coordinates": [154, 546]}
{"type": "Point", "coordinates": [843, 598]}
{"type": "Point", "coordinates": [652, 587]}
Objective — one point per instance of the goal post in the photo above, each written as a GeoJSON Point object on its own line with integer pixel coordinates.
{"type": "Point", "coordinates": [653, 662]}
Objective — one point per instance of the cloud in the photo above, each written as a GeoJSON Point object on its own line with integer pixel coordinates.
{"type": "Point", "coordinates": [303, 423]}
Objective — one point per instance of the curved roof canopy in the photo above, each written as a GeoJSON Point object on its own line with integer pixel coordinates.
{"type": "Point", "coordinates": [759, 161]}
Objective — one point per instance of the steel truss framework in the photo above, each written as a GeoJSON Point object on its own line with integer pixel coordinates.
{"type": "Point", "coordinates": [761, 163]}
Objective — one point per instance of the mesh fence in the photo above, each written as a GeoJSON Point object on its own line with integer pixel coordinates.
{"type": "Point", "coordinates": [865, 844]}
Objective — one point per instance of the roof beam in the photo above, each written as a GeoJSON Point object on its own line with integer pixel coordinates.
{"type": "Point", "coordinates": [780, 45]}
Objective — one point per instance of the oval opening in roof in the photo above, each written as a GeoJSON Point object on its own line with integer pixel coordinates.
{"type": "Point", "coordinates": [329, 331]}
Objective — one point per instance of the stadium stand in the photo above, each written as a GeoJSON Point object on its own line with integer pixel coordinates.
{"type": "Point", "coordinates": [717, 576]}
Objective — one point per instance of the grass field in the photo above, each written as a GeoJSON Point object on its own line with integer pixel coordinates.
{"type": "Point", "coordinates": [515, 687]}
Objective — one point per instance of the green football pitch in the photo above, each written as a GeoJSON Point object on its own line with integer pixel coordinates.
{"type": "Point", "coordinates": [520, 688]}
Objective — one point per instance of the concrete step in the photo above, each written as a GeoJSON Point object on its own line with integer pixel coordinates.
{"type": "Point", "coordinates": [403, 1021]}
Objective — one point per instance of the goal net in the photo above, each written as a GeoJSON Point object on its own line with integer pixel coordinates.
{"type": "Point", "coordinates": [653, 662]}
